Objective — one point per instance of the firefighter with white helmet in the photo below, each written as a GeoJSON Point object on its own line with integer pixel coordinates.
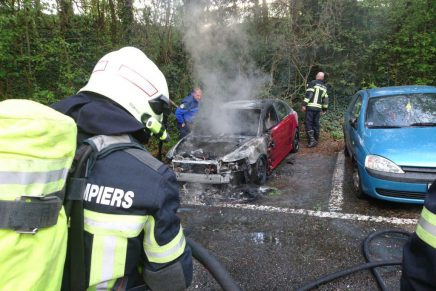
{"type": "Point", "coordinates": [132, 235]}
{"type": "Point", "coordinates": [135, 83]}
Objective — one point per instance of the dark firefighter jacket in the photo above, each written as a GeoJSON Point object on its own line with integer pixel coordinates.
{"type": "Point", "coordinates": [130, 205]}
{"type": "Point", "coordinates": [419, 253]}
{"type": "Point", "coordinates": [316, 96]}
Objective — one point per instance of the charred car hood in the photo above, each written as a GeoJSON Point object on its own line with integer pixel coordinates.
{"type": "Point", "coordinates": [226, 149]}
{"type": "Point", "coordinates": [208, 148]}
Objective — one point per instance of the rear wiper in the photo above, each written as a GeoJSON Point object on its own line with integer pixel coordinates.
{"type": "Point", "coordinates": [423, 124]}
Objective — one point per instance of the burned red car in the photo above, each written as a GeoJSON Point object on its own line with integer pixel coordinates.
{"type": "Point", "coordinates": [244, 143]}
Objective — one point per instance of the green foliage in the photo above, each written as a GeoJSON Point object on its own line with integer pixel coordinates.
{"type": "Point", "coordinates": [44, 96]}
{"type": "Point", "coordinates": [360, 44]}
{"type": "Point", "coordinates": [331, 122]}
{"type": "Point", "coordinates": [273, 192]}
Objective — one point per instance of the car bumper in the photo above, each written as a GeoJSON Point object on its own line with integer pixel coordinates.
{"type": "Point", "coordinates": [204, 178]}
{"type": "Point", "coordinates": [388, 187]}
{"type": "Point", "coordinates": [408, 177]}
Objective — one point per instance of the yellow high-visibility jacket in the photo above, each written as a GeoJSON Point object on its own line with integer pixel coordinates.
{"type": "Point", "coordinates": [37, 146]}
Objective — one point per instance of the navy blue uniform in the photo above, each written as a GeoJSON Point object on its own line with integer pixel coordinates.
{"type": "Point", "coordinates": [130, 204]}
{"type": "Point", "coordinates": [316, 99]}
{"type": "Point", "coordinates": [419, 253]}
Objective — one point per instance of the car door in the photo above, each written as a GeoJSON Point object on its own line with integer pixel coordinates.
{"type": "Point", "coordinates": [289, 124]}
{"type": "Point", "coordinates": [352, 124]}
{"type": "Point", "coordinates": [277, 146]}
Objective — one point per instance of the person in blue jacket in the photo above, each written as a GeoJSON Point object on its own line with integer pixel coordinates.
{"type": "Point", "coordinates": [187, 111]}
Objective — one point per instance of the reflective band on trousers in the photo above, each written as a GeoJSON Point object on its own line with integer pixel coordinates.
{"type": "Point", "coordinates": [166, 253]}
{"type": "Point", "coordinates": [426, 229]}
{"type": "Point", "coordinates": [24, 178]}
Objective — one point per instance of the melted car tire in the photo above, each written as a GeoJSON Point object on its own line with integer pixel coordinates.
{"type": "Point", "coordinates": [296, 142]}
{"type": "Point", "coordinates": [259, 171]}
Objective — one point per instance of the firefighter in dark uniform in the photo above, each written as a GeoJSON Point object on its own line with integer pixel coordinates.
{"type": "Point", "coordinates": [315, 102]}
{"type": "Point", "coordinates": [419, 253]}
{"type": "Point", "coordinates": [132, 234]}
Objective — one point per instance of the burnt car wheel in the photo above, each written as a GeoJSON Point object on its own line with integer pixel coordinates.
{"type": "Point", "coordinates": [259, 171]}
{"type": "Point", "coordinates": [296, 142]}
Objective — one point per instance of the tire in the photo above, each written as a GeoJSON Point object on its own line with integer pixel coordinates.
{"type": "Point", "coordinates": [296, 142]}
{"type": "Point", "coordinates": [259, 171]}
{"type": "Point", "coordinates": [346, 152]}
{"type": "Point", "coordinates": [357, 183]}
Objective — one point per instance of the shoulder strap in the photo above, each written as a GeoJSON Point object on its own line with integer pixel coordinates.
{"type": "Point", "coordinates": [88, 153]}
{"type": "Point", "coordinates": [75, 273]}
{"type": "Point", "coordinates": [145, 157]}
{"type": "Point", "coordinates": [76, 182]}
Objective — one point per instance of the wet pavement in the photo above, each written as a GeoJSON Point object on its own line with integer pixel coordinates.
{"type": "Point", "coordinates": [285, 234]}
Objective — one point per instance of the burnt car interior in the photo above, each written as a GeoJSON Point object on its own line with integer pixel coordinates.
{"type": "Point", "coordinates": [270, 119]}
{"type": "Point", "coordinates": [232, 122]}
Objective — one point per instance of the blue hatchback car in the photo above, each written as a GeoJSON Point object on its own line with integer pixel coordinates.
{"type": "Point", "coordinates": [390, 135]}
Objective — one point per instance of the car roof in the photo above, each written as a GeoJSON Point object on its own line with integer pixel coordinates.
{"type": "Point", "coordinates": [249, 104]}
{"type": "Point", "coordinates": [395, 90]}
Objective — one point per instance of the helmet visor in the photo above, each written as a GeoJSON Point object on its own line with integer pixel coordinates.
{"type": "Point", "coordinates": [160, 105]}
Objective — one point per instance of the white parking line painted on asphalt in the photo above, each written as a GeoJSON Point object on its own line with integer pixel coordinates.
{"type": "Point", "coordinates": [336, 195]}
{"type": "Point", "coordinates": [322, 214]}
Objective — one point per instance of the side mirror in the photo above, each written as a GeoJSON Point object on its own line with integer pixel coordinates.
{"type": "Point", "coordinates": [353, 122]}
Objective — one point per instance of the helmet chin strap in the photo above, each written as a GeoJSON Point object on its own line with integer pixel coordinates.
{"type": "Point", "coordinates": [155, 127]}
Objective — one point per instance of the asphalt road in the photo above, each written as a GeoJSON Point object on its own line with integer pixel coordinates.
{"type": "Point", "coordinates": [306, 222]}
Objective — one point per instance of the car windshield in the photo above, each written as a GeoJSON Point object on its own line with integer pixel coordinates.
{"type": "Point", "coordinates": [402, 111]}
{"type": "Point", "coordinates": [230, 122]}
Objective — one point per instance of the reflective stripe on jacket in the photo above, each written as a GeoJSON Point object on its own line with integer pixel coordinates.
{"type": "Point", "coordinates": [130, 217]}
{"type": "Point", "coordinates": [419, 253]}
{"type": "Point", "coordinates": [426, 229]}
{"type": "Point", "coordinates": [316, 96]}
{"type": "Point", "coordinates": [37, 146]}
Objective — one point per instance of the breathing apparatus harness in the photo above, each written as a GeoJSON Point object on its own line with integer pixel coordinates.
{"type": "Point", "coordinates": [76, 277]}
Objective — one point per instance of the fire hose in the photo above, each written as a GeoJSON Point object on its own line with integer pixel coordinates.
{"type": "Point", "coordinates": [213, 266]}
{"type": "Point", "coordinates": [369, 265]}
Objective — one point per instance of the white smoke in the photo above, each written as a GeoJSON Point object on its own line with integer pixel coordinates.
{"type": "Point", "coordinates": [218, 45]}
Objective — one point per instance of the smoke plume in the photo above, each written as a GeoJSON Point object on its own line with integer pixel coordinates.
{"type": "Point", "coordinates": [218, 44]}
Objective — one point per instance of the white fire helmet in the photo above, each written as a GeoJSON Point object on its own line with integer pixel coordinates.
{"type": "Point", "coordinates": [131, 79]}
